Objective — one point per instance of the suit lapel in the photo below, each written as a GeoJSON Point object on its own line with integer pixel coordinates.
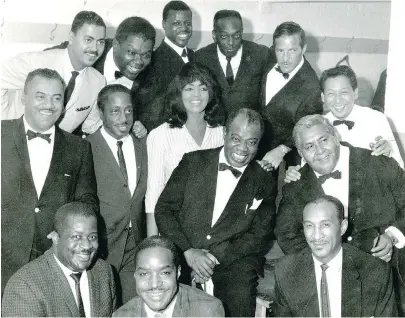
{"type": "Point", "coordinates": [182, 305]}
{"type": "Point", "coordinates": [138, 159]}
{"type": "Point", "coordinates": [94, 291]}
{"type": "Point", "coordinates": [351, 287]}
{"type": "Point", "coordinates": [244, 62]}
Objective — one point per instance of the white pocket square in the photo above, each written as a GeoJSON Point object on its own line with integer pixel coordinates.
{"type": "Point", "coordinates": [67, 175]}
{"type": "Point", "coordinates": [255, 204]}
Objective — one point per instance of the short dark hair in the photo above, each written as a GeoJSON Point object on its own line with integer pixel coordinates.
{"type": "Point", "coordinates": [102, 98]}
{"type": "Point", "coordinates": [76, 208]}
{"type": "Point", "coordinates": [86, 17]}
{"type": "Point", "coordinates": [45, 73]}
{"type": "Point", "coordinates": [287, 29]}
{"type": "Point", "coordinates": [189, 73]}
{"type": "Point", "coordinates": [135, 26]}
{"type": "Point", "coordinates": [175, 6]}
{"type": "Point", "coordinates": [331, 199]}
{"type": "Point", "coordinates": [158, 241]}
{"type": "Point", "coordinates": [223, 14]}
{"type": "Point", "coordinates": [252, 116]}
{"type": "Point", "coordinates": [341, 70]}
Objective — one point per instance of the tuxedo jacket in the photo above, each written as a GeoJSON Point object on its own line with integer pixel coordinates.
{"type": "Point", "coordinates": [190, 302]}
{"type": "Point", "coordinates": [376, 201]}
{"type": "Point", "coordinates": [185, 207]}
{"type": "Point", "coordinates": [81, 107]}
{"type": "Point", "coordinates": [148, 99]}
{"type": "Point", "coordinates": [245, 91]}
{"type": "Point", "coordinates": [117, 206]}
{"type": "Point", "coordinates": [70, 178]}
{"type": "Point", "coordinates": [367, 288]}
{"type": "Point", "coordinates": [40, 289]}
{"type": "Point", "coordinates": [301, 96]}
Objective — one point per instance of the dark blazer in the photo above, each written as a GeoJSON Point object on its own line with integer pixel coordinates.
{"type": "Point", "coordinates": [40, 289]}
{"type": "Point", "coordinates": [376, 201]}
{"type": "Point", "coordinates": [246, 88]}
{"type": "Point", "coordinates": [367, 289]}
{"type": "Point", "coordinates": [70, 178]}
{"type": "Point", "coordinates": [184, 209]}
{"type": "Point", "coordinates": [117, 206]}
{"type": "Point", "coordinates": [378, 102]}
{"type": "Point", "coordinates": [149, 98]}
{"type": "Point", "coordinates": [301, 96]}
{"type": "Point", "coordinates": [191, 302]}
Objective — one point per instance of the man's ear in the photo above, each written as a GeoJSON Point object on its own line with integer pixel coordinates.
{"type": "Point", "coordinates": [214, 37]}
{"type": "Point", "coordinates": [71, 36]}
{"type": "Point", "coordinates": [343, 226]}
{"type": "Point", "coordinates": [115, 43]}
{"type": "Point", "coordinates": [164, 25]}
{"type": "Point", "coordinates": [356, 93]}
{"type": "Point", "coordinates": [178, 272]}
{"type": "Point", "coordinates": [54, 237]}
{"type": "Point", "coordinates": [304, 49]}
{"type": "Point", "coordinates": [24, 98]}
{"type": "Point", "coordinates": [323, 97]}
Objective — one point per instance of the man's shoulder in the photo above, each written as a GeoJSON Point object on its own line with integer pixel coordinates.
{"type": "Point", "coordinates": [198, 297]}
{"type": "Point", "coordinates": [132, 308]}
{"type": "Point", "coordinates": [100, 266]}
{"type": "Point", "coordinates": [95, 76]}
{"type": "Point", "coordinates": [202, 155]}
{"type": "Point", "coordinates": [308, 73]}
{"type": "Point", "coordinates": [367, 113]}
{"type": "Point", "coordinates": [290, 264]}
{"type": "Point", "coordinates": [70, 140]}
{"type": "Point", "coordinates": [8, 124]}
{"type": "Point", "coordinates": [209, 49]}
{"type": "Point", "coordinates": [255, 47]}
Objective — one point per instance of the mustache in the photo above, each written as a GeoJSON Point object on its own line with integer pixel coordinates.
{"type": "Point", "coordinates": [86, 251]}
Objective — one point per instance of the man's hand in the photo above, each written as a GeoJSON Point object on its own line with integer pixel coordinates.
{"type": "Point", "coordinates": [272, 159]}
{"type": "Point", "coordinates": [198, 279]}
{"type": "Point", "coordinates": [201, 262]}
{"type": "Point", "coordinates": [292, 174]}
{"type": "Point", "coordinates": [139, 129]}
{"type": "Point", "coordinates": [382, 247]}
{"type": "Point", "coordinates": [381, 147]}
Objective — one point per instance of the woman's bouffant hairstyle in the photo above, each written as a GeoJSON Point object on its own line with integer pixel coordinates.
{"type": "Point", "coordinates": [174, 107]}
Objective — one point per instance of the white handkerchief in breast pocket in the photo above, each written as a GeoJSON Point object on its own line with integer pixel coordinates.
{"type": "Point", "coordinates": [255, 204]}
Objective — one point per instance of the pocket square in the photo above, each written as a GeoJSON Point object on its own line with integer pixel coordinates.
{"type": "Point", "coordinates": [82, 108]}
{"type": "Point", "coordinates": [255, 204]}
{"type": "Point", "coordinates": [67, 175]}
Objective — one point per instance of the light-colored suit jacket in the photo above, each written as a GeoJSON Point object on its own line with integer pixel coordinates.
{"type": "Point", "coordinates": [40, 289]}
{"type": "Point", "coordinates": [82, 105]}
{"type": "Point", "coordinates": [190, 302]}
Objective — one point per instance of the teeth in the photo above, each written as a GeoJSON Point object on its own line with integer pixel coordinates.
{"type": "Point", "coordinates": [133, 69]}
{"type": "Point", "coordinates": [183, 35]}
{"type": "Point", "coordinates": [238, 157]}
{"type": "Point", "coordinates": [46, 112]}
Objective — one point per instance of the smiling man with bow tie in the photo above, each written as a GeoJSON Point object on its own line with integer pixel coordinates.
{"type": "Point", "coordinates": [212, 209]}
{"type": "Point", "coordinates": [42, 168]}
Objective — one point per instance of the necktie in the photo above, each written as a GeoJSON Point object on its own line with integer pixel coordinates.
{"type": "Point", "coordinates": [229, 72]}
{"type": "Point", "coordinates": [76, 277]}
{"type": "Point", "coordinates": [223, 166]}
{"type": "Point", "coordinates": [32, 135]}
{"type": "Point", "coordinates": [70, 87]}
{"type": "Point", "coordinates": [325, 305]}
{"type": "Point", "coordinates": [285, 75]}
{"type": "Point", "coordinates": [118, 74]}
{"type": "Point", "coordinates": [121, 160]}
{"type": "Point", "coordinates": [184, 53]}
{"type": "Point", "coordinates": [348, 123]}
{"type": "Point", "coordinates": [335, 175]}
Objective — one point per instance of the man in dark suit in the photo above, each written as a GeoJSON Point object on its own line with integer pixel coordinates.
{"type": "Point", "coordinates": [205, 209]}
{"type": "Point", "coordinates": [42, 168]}
{"type": "Point", "coordinates": [167, 61]}
{"type": "Point", "coordinates": [157, 265]}
{"type": "Point", "coordinates": [290, 91]}
{"type": "Point", "coordinates": [238, 65]}
{"type": "Point", "coordinates": [329, 279]}
{"type": "Point", "coordinates": [68, 280]}
{"type": "Point", "coordinates": [120, 164]}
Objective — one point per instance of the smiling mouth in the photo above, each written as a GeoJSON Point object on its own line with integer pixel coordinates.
{"type": "Point", "coordinates": [133, 69]}
{"type": "Point", "coordinates": [84, 257]}
{"type": "Point", "coordinates": [93, 55]}
{"type": "Point", "coordinates": [46, 112]}
{"type": "Point", "coordinates": [183, 35]}
{"type": "Point", "coordinates": [239, 158]}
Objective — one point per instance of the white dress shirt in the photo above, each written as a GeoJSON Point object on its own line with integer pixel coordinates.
{"type": "Point", "coordinates": [334, 279]}
{"type": "Point", "coordinates": [275, 80]}
{"type": "Point", "coordinates": [167, 313]}
{"type": "Point", "coordinates": [84, 286]}
{"type": "Point", "coordinates": [40, 153]}
{"type": "Point", "coordinates": [178, 49]}
{"type": "Point", "coordinates": [129, 155]}
{"type": "Point", "coordinates": [166, 146]}
{"type": "Point", "coordinates": [235, 61]}
{"type": "Point", "coordinates": [67, 74]}
{"type": "Point", "coordinates": [109, 72]}
{"type": "Point", "coordinates": [226, 184]}
{"type": "Point", "coordinates": [368, 124]}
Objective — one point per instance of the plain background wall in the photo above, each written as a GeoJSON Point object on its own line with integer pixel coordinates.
{"type": "Point", "coordinates": [359, 29]}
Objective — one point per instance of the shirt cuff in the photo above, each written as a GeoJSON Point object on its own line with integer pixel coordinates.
{"type": "Point", "coordinates": [400, 238]}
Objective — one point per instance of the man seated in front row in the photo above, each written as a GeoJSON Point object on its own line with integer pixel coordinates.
{"type": "Point", "coordinates": [212, 209]}
{"type": "Point", "coordinates": [159, 293]}
{"type": "Point", "coordinates": [68, 280]}
{"type": "Point", "coordinates": [331, 279]}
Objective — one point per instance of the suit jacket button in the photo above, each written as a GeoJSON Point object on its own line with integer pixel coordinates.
{"type": "Point", "coordinates": [208, 237]}
{"type": "Point", "coordinates": [349, 238]}
{"type": "Point", "coordinates": [36, 210]}
{"type": "Point", "coordinates": [125, 185]}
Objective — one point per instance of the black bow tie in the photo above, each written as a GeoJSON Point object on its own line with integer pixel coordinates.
{"type": "Point", "coordinates": [118, 74]}
{"type": "Point", "coordinates": [348, 123]}
{"type": "Point", "coordinates": [285, 75]}
{"type": "Point", "coordinates": [32, 135]}
{"type": "Point", "coordinates": [335, 175]}
{"type": "Point", "coordinates": [223, 166]}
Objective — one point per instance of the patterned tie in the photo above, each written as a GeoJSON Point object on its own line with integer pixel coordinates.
{"type": "Point", "coordinates": [121, 160]}
{"type": "Point", "coordinates": [223, 166]}
{"type": "Point", "coordinates": [229, 72]}
{"type": "Point", "coordinates": [285, 75]}
{"type": "Point", "coordinates": [335, 175]}
{"type": "Point", "coordinates": [348, 123]}
{"type": "Point", "coordinates": [184, 53]}
{"type": "Point", "coordinates": [325, 305]}
{"type": "Point", "coordinates": [31, 134]}
{"type": "Point", "coordinates": [118, 74]}
{"type": "Point", "coordinates": [70, 87]}
{"type": "Point", "coordinates": [76, 277]}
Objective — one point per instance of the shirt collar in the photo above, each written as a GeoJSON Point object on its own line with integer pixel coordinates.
{"type": "Point", "coordinates": [294, 71]}
{"type": "Point", "coordinates": [237, 57]}
{"type": "Point", "coordinates": [65, 270]}
{"type": "Point", "coordinates": [178, 49]}
{"type": "Point", "coordinates": [110, 139]}
{"type": "Point", "coordinates": [168, 312]}
{"type": "Point", "coordinates": [67, 64]}
{"type": "Point", "coordinates": [49, 131]}
{"type": "Point", "coordinates": [343, 157]}
{"type": "Point", "coordinates": [334, 264]}
{"type": "Point", "coordinates": [222, 159]}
